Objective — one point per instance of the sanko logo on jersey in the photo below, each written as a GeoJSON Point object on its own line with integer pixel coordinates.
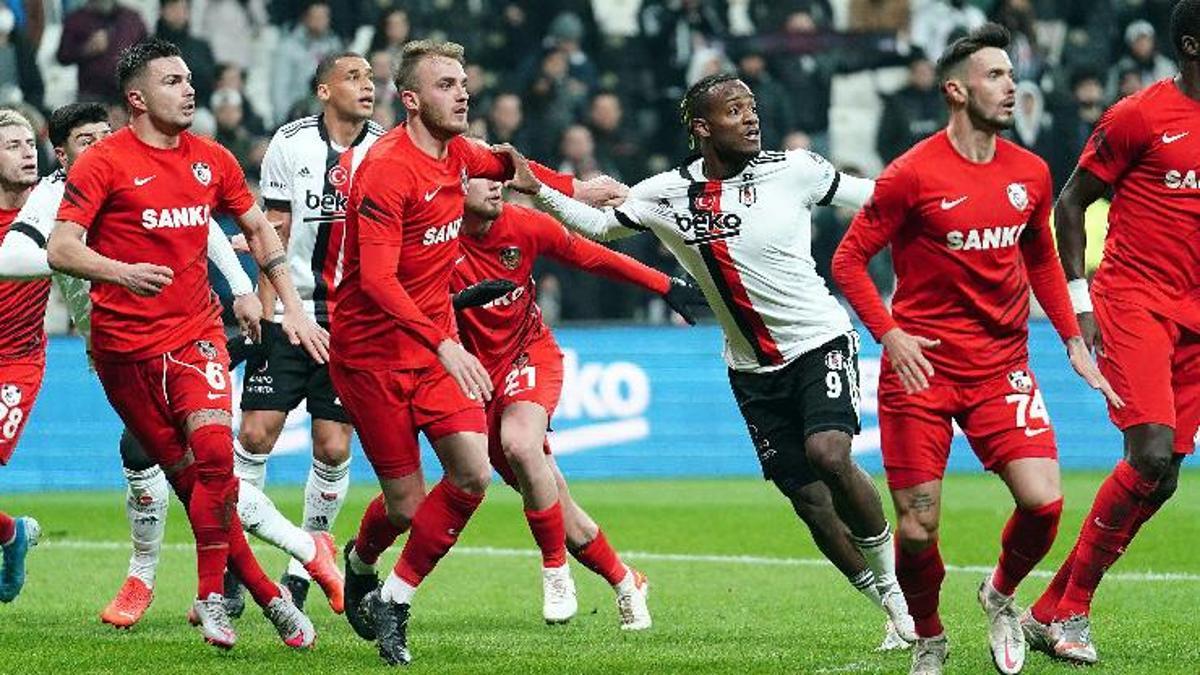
{"type": "Point", "coordinates": [984, 239]}
{"type": "Point", "coordinates": [1178, 180]}
{"type": "Point", "coordinates": [187, 216]}
{"type": "Point", "coordinates": [443, 234]}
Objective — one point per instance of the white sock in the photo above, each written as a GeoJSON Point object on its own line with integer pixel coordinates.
{"type": "Point", "coordinates": [357, 565]}
{"type": "Point", "coordinates": [397, 590]}
{"type": "Point", "coordinates": [146, 508]}
{"type": "Point", "coordinates": [880, 556]}
{"type": "Point", "coordinates": [249, 467]}
{"type": "Point", "coordinates": [324, 494]}
{"type": "Point", "coordinates": [864, 582]}
{"type": "Point", "coordinates": [626, 584]}
{"type": "Point", "coordinates": [261, 518]}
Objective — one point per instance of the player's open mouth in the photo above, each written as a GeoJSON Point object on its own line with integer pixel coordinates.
{"type": "Point", "coordinates": [367, 100]}
{"type": "Point", "coordinates": [753, 134]}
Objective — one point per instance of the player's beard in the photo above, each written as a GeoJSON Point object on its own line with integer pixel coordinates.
{"type": "Point", "coordinates": [981, 120]}
{"type": "Point", "coordinates": [444, 124]}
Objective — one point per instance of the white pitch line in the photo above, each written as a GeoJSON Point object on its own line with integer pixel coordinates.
{"type": "Point", "coordinates": [762, 561]}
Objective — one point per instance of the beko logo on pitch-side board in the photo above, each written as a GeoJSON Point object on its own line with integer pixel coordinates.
{"type": "Point", "coordinates": [610, 399]}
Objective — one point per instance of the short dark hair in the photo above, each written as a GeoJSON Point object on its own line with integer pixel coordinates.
{"type": "Point", "coordinates": [71, 116]}
{"type": "Point", "coordinates": [1185, 20]}
{"type": "Point", "coordinates": [134, 58]}
{"type": "Point", "coordinates": [329, 62]}
{"type": "Point", "coordinates": [696, 98]}
{"type": "Point", "coordinates": [1085, 74]}
{"type": "Point", "coordinates": [987, 35]}
{"type": "Point", "coordinates": [412, 53]}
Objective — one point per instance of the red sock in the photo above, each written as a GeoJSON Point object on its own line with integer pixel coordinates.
{"type": "Point", "coordinates": [599, 557]}
{"type": "Point", "coordinates": [549, 533]}
{"type": "Point", "coordinates": [435, 527]}
{"type": "Point", "coordinates": [375, 532]}
{"type": "Point", "coordinates": [1043, 610]}
{"type": "Point", "coordinates": [920, 575]}
{"type": "Point", "coordinates": [8, 528]}
{"type": "Point", "coordinates": [212, 504]}
{"type": "Point", "coordinates": [243, 563]}
{"type": "Point", "coordinates": [1109, 527]}
{"type": "Point", "coordinates": [1027, 539]}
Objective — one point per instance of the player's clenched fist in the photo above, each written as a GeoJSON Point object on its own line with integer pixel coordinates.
{"type": "Point", "coordinates": [601, 191]}
{"type": "Point", "coordinates": [145, 279]}
{"type": "Point", "coordinates": [466, 370]}
{"type": "Point", "coordinates": [904, 352]}
{"type": "Point", "coordinates": [304, 332]}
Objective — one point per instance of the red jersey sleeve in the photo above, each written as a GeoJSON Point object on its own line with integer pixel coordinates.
{"type": "Point", "coordinates": [381, 212]}
{"type": "Point", "coordinates": [1046, 276]}
{"type": "Point", "coordinates": [233, 197]}
{"type": "Point", "coordinates": [1119, 139]}
{"type": "Point", "coordinates": [87, 184]}
{"type": "Point", "coordinates": [555, 241]}
{"type": "Point", "coordinates": [872, 229]}
{"type": "Point", "coordinates": [483, 162]}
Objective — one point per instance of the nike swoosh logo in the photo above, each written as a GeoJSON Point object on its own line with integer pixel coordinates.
{"type": "Point", "coordinates": [1036, 432]}
{"type": "Point", "coordinates": [947, 204]}
{"type": "Point", "coordinates": [1171, 139]}
{"type": "Point", "coordinates": [430, 195]}
{"type": "Point", "coordinates": [139, 182]}
{"type": "Point", "coordinates": [213, 397]}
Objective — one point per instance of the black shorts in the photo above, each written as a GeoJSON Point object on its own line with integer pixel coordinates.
{"type": "Point", "coordinates": [279, 375]}
{"type": "Point", "coordinates": [817, 391]}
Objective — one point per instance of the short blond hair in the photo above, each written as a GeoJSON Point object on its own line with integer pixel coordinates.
{"type": "Point", "coordinates": [13, 118]}
{"type": "Point", "coordinates": [414, 52]}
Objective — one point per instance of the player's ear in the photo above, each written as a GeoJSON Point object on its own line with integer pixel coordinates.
{"type": "Point", "coordinates": [410, 100]}
{"type": "Point", "coordinates": [323, 92]}
{"type": "Point", "coordinates": [955, 90]}
{"type": "Point", "coordinates": [700, 128]}
{"type": "Point", "coordinates": [61, 155]}
{"type": "Point", "coordinates": [1190, 46]}
{"type": "Point", "coordinates": [135, 100]}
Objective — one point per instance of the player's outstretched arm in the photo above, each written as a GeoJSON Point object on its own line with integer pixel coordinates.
{"type": "Point", "coordinates": [1083, 188]}
{"type": "Point", "coordinates": [67, 253]}
{"type": "Point", "coordinates": [246, 306]}
{"type": "Point", "coordinates": [21, 258]}
{"type": "Point", "coordinates": [272, 260]}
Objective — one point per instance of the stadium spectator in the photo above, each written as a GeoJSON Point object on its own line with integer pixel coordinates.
{"type": "Point", "coordinates": [937, 22]}
{"type": "Point", "coordinates": [505, 121]}
{"type": "Point", "coordinates": [173, 27]}
{"type": "Point", "coordinates": [392, 30]}
{"type": "Point", "coordinates": [92, 39]}
{"type": "Point", "coordinates": [1141, 57]}
{"type": "Point", "coordinates": [231, 132]}
{"type": "Point", "coordinates": [577, 154]}
{"type": "Point", "coordinates": [797, 140]}
{"type": "Point", "coordinates": [231, 28]}
{"type": "Point", "coordinates": [775, 115]}
{"type": "Point", "coordinates": [1019, 18]}
{"type": "Point", "coordinates": [231, 76]}
{"type": "Point", "coordinates": [555, 99]}
{"type": "Point", "coordinates": [888, 16]}
{"type": "Point", "coordinates": [617, 145]}
{"type": "Point", "coordinates": [20, 79]}
{"type": "Point", "coordinates": [913, 112]}
{"type": "Point", "coordinates": [1031, 126]}
{"type": "Point", "coordinates": [296, 58]}
{"type": "Point", "coordinates": [1073, 125]}
{"type": "Point", "coordinates": [388, 111]}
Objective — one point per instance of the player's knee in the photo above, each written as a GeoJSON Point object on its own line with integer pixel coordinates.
{"type": "Point", "coordinates": [810, 500]}
{"type": "Point", "coordinates": [256, 438]}
{"type": "Point", "coordinates": [829, 452]}
{"type": "Point", "coordinates": [212, 446]}
{"type": "Point", "coordinates": [474, 480]}
{"type": "Point", "coordinates": [133, 455]}
{"type": "Point", "coordinates": [328, 452]}
{"type": "Point", "coordinates": [915, 533]}
{"type": "Point", "coordinates": [401, 509]}
{"type": "Point", "coordinates": [520, 451]}
{"type": "Point", "coordinates": [1150, 450]}
{"type": "Point", "coordinates": [1167, 485]}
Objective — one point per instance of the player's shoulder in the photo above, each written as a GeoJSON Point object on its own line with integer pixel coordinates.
{"type": "Point", "coordinates": [374, 130]}
{"type": "Point", "coordinates": [203, 145]}
{"type": "Point", "coordinates": [667, 184]}
{"type": "Point", "coordinates": [297, 130]}
{"type": "Point", "coordinates": [1021, 155]}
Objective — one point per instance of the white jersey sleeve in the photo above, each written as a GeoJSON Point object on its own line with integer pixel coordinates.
{"type": "Point", "coordinates": [23, 249]}
{"type": "Point", "coordinates": [822, 184]}
{"type": "Point", "coordinates": [276, 171]}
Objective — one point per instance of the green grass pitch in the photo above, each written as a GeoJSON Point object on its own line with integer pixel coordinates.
{"type": "Point", "coordinates": [736, 586]}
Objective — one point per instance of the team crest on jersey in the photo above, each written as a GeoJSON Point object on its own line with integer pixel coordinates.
{"type": "Point", "coordinates": [207, 349]}
{"type": "Point", "coordinates": [1021, 381]}
{"type": "Point", "coordinates": [747, 195]}
{"type": "Point", "coordinates": [338, 176]}
{"type": "Point", "coordinates": [705, 202]}
{"type": "Point", "coordinates": [202, 173]}
{"type": "Point", "coordinates": [1018, 196]}
{"type": "Point", "coordinates": [835, 360]}
{"type": "Point", "coordinates": [464, 179]}
{"type": "Point", "coordinates": [510, 257]}
{"type": "Point", "coordinates": [11, 395]}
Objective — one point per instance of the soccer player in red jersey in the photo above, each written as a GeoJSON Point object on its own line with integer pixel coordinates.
{"type": "Point", "coordinates": [22, 339]}
{"type": "Point", "coordinates": [966, 214]}
{"type": "Point", "coordinates": [502, 241]}
{"type": "Point", "coordinates": [1145, 324]}
{"type": "Point", "coordinates": [143, 198]}
{"type": "Point", "coordinates": [396, 364]}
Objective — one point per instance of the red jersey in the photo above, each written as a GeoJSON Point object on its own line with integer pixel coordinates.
{"type": "Point", "coordinates": [968, 240]}
{"type": "Point", "coordinates": [402, 227]}
{"type": "Point", "coordinates": [23, 306]}
{"type": "Point", "coordinates": [145, 204]}
{"type": "Point", "coordinates": [498, 332]}
{"type": "Point", "coordinates": [1147, 147]}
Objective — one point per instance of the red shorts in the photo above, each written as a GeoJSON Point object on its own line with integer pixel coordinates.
{"type": "Point", "coordinates": [389, 407]}
{"type": "Point", "coordinates": [20, 382]}
{"type": "Point", "coordinates": [536, 376]}
{"type": "Point", "coordinates": [155, 396]}
{"type": "Point", "coordinates": [1005, 419]}
{"type": "Point", "coordinates": [1153, 364]}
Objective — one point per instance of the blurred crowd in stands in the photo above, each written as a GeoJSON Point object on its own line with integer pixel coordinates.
{"type": "Point", "coordinates": [593, 86]}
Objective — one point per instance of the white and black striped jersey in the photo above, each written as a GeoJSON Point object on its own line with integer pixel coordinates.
{"type": "Point", "coordinates": [747, 241]}
{"type": "Point", "coordinates": [306, 173]}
